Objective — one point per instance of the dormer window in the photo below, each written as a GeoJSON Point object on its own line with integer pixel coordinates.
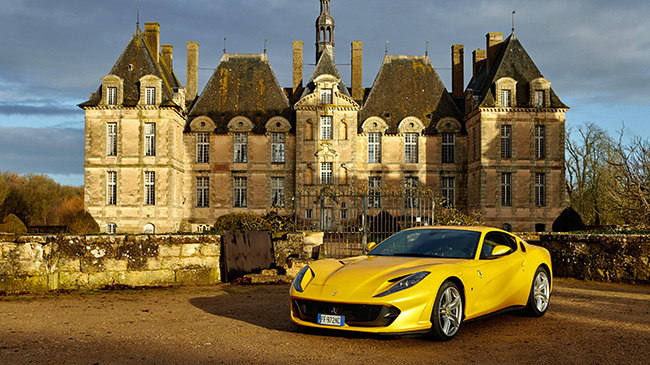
{"type": "Point", "coordinates": [326, 96]}
{"type": "Point", "coordinates": [540, 93]}
{"type": "Point", "coordinates": [539, 98]}
{"type": "Point", "coordinates": [506, 92]}
{"type": "Point", "coordinates": [150, 90]}
{"type": "Point", "coordinates": [111, 95]}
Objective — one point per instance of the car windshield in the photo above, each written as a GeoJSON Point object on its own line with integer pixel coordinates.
{"type": "Point", "coordinates": [445, 243]}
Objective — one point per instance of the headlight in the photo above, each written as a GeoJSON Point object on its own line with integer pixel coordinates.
{"type": "Point", "coordinates": [405, 283]}
{"type": "Point", "coordinates": [305, 274]}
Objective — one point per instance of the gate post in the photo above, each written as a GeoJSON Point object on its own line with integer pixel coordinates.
{"type": "Point", "coordinates": [364, 224]}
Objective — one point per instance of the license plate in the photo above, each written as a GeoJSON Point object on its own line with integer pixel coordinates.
{"type": "Point", "coordinates": [330, 320]}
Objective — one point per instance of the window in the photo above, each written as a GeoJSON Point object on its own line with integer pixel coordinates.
{"type": "Point", "coordinates": [374, 191]}
{"type": "Point", "coordinates": [540, 190]}
{"type": "Point", "coordinates": [111, 188]}
{"type": "Point", "coordinates": [150, 96]}
{"type": "Point", "coordinates": [344, 211]}
{"type": "Point", "coordinates": [202, 191]}
{"type": "Point", "coordinates": [539, 98]}
{"type": "Point", "coordinates": [505, 98]}
{"type": "Point", "coordinates": [111, 228]}
{"type": "Point", "coordinates": [111, 97]}
{"type": "Point", "coordinates": [411, 148]}
{"type": "Point", "coordinates": [326, 127]}
{"type": "Point", "coordinates": [326, 96]}
{"type": "Point", "coordinates": [449, 191]}
{"type": "Point", "coordinates": [111, 139]}
{"type": "Point", "coordinates": [411, 185]}
{"type": "Point", "coordinates": [374, 147]}
{"type": "Point", "coordinates": [540, 143]}
{"type": "Point", "coordinates": [277, 191]}
{"type": "Point", "coordinates": [309, 213]}
{"type": "Point", "coordinates": [241, 145]}
{"type": "Point", "coordinates": [506, 189]}
{"type": "Point", "coordinates": [149, 188]}
{"type": "Point", "coordinates": [326, 173]}
{"type": "Point", "coordinates": [277, 147]}
{"type": "Point", "coordinates": [240, 192]}
{"type": "Point", "coordinates": [150, 139]}
{"type": "Point", "coordinates": [493, 239]}
{"type": "Point", "coordinates": [506, 142]}
{"type": "Point", "coordinates": [203, 147]}
{"type": "Point", "coordinates": [448, 147]}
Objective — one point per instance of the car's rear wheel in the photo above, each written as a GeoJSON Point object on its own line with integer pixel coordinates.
{"type": "Point", "coordinates": [540, 293]}
{"type": "Point", "coordinates": [447, 312]}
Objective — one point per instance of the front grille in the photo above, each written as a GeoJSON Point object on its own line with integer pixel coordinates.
{"type": "Point", "coordinates": [361, 315]}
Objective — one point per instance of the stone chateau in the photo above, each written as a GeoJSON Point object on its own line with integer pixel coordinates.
{"type": "Point", "coordinates": [162, 157]}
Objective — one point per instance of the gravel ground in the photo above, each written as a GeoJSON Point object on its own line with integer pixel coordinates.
{"type": "Point", "coordinates": [586, 323]}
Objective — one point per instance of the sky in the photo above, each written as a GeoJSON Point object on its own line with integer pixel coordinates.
{"type": "Point", "coordinates": [53, 54]}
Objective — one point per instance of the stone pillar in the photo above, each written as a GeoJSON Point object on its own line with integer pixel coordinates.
{"type": "Point", "coordinates": [457, 70]}
{"type": "Point", "coordinates": [192, 76]}
{"type": "Point", "coordinates": [357, 71]}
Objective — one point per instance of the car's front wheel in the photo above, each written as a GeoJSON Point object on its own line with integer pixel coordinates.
{"type": "Point", "coordinates": [540, 293]}
{"type": "Point", "coordinates": [447, 312]}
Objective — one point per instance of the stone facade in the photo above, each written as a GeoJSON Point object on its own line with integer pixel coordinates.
{"type": "Point", "coordinates": [244, 143]}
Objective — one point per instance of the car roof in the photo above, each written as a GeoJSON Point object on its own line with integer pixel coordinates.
{"type": "Point", "coordinates": [458, 228]}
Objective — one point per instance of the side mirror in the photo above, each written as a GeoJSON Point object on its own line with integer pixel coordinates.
{"type": "Point", "coordinates": [370, 246]}
{"type": "Point", "coordinates": [500, 250]}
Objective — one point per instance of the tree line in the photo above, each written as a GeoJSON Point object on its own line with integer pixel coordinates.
{"type": "Point", "coordinates": [608, 178]}
{"type": "Point", "coordinates": [38, 200]}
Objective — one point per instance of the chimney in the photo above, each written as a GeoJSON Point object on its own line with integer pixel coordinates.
{"type": "Point", "coordinates": [457, 70]}
{"type": "Point", "coordinates": [192, 71]}
{"type": "Point", "coordinates": [478, 60]}
{"type": "Point", "coordinates": [167, 55]}
{"type": "Point", "coordinates": [297, 66]}
{"type": "Point", "coordinates": [357, 71]}
{"type": "Point", "coordinates": [492, 43]}
{"type": "Point", "coordinates": [152, 37]}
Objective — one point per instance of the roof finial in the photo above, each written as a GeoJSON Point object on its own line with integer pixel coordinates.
{"type": "Point", "coordinates": [265, 46]}
{"type": "Point", "coordinates": [224, 45]}
{"type": "Point", "coordinates": [386, 48]}
{"type": "Point", "coordinates": [137, 24]}
{"type": "Point", "coordinates": [426, 52]}
{"type": "Point", "coordinates": [513, 22]}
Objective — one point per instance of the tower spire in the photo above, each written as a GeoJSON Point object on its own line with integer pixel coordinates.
{"type": "Point", "coordinates": [324, 31]}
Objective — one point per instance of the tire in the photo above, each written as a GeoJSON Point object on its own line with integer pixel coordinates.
{"type": "Point", "coordinates": [540, 293]}
{"type": "Point", "coordinates": [447, 312]}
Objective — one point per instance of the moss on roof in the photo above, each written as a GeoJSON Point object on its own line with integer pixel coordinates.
{"type": "Point", "coordinates": [242, 85]}
{"type": "Point", "coordinates": [408, 86]}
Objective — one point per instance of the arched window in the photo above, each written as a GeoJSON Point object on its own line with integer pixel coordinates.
{"type": "Point", "coordinates": [309, 131]}
{"type": "Point", "coordinates": [149, 228]}
{"type": "Point", "coordinates": [309, 176]}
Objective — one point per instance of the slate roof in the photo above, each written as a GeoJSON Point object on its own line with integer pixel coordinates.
{"type": "Point", "coordinates": [513, 61]}
{"type": "Point", "coordinates": [141, 59]}
{"type": "Point", "coordinates": [325, 66]}
{"type": "Point", "coordinates": [242, 85]}
{"type": "Point", "coordinates": [408, 86]}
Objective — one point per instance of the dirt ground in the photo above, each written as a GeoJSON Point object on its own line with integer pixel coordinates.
{"type": "Point", "coordinates": [587, 323]}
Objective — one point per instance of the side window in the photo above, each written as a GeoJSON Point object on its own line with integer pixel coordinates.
{"type": "Point", "coordinates": [494, 239]}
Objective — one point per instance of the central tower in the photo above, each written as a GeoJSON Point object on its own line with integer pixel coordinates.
{"type": "Point", "coordinates": [324, 31]}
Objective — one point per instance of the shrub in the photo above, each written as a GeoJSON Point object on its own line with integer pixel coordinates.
{"type": "Point", "coordinates": [569, 220]}
{"type": "Point", "coordinates": [243, 221]}
{"type": "Point", "coordinates": [451, 216]}
{"type": "Point", "coordinates": [13, 224]}
{"type": "Point", "coordinates": [83, 223]}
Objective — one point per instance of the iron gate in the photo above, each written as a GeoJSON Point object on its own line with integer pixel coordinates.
{"type": "Point", "coordinates": [350, 219]}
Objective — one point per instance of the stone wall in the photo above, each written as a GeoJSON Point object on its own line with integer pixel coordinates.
{"type": "Point", "coordinates": [42, 263]}
{"type": "Point", "coordinates": [612, 258]}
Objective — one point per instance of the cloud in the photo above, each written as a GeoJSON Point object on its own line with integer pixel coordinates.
{"type": "Point", "coordinates": [42, 150]}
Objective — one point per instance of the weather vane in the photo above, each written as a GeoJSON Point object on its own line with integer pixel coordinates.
{"type": "Point", "coordinates": [513, 21]}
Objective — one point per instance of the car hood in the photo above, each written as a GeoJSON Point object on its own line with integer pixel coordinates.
{"type": "Point", "coordinates": [366, 276]}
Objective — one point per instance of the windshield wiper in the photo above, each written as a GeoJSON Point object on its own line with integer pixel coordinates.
{"type": "Point", "coordinates": [414, 254]}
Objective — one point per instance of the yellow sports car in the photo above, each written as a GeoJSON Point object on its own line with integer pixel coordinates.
{"type": "Point", "coordinates": [424, 280]}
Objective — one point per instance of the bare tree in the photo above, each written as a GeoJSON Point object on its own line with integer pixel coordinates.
{"type": "Point", "coordinates": [588, 148]}
{"type": "Point", "coordinates": [630, 189]}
